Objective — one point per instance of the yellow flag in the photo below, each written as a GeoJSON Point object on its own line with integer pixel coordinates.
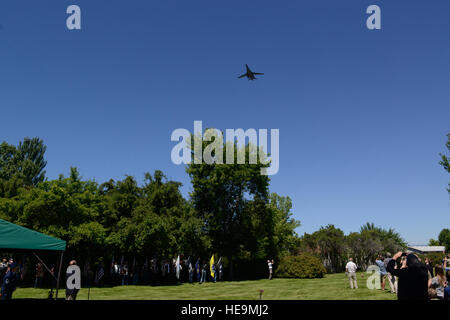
{"type": "Point", "coordinates": [211, 263]}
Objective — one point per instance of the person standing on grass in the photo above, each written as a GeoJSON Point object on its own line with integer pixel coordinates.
{"type": "Point", "coordinates": [197, 269]}
{"type": "Point", "coordinates": [191, 271]}
{"type": "Point", "coordinates": [116, 273]}
{"type": "Point", "coordinates": [382, 271]}
{"type": "Point", "coordinates": [220, 267]}
{"type": "Point", "coordinates": [71, 294]}
{"type": "Point", "coordinates": [214, 270]}
{"type": "Point", "coordinates": [270, 264]}
{"type": "Point", "coordinates": [350, 269]}
{"type": "Point", "coordinates": [125, 274]}
{"type": "Point", "coordinates": [205, 267]}
{"type": "Point", "coordinates": [39, 275]}
{"type": "Point", "coordinates": [392, 280]}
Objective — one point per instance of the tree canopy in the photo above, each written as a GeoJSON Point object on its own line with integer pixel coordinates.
{"type": "Point", "coordinates": [230, 211]}
{"type": "Point", "coordinates": [24, 164]}
{"type": "Point", "coordinates": [334, 247]}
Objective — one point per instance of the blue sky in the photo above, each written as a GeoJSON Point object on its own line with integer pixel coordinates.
{"type": "Point", "coordinates": [362, 114]}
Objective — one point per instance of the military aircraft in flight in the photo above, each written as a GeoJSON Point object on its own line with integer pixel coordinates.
{"type": "Point", "coordinates": [250, 74]}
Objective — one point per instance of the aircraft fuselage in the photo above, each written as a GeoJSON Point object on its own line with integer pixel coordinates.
{"type": "Point", "coordinates": [249, 74]}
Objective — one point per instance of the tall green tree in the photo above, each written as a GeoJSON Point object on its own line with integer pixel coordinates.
{"type": "Point", "coordinates": [222, 193]}
{"type": "Point", "coordinates": [22, 165]}
{"type": "Point", "coordinates": [31, 162]}
{"type": "Point", "coordinates": [329, 244]}
{"type": "Point", "coordinates": [285, 239]}
{"type": "Point", "coordinates": [8, 159]}
{"type": "Point", "coordinates": [444, 239]}
{"type": "Point", "coordinates": [331, 241]}
{"type": "Point", "coordinates": [390, 240]}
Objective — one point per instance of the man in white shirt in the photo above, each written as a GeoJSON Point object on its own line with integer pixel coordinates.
{"type": "Point", "coordinates": [350, 269]}
{"type": "Point", "coordinates": [270, 265]}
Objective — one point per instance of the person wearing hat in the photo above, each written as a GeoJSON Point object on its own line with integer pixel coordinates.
{"type": "Point", "coordinates": [10, 281]}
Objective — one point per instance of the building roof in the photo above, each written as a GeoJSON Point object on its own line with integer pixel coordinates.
{"type": "Point", "coordinates": [427, 248]}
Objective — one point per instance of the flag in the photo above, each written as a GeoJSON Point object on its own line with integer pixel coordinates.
{"type": "Point", "coordinates": [177, 266]}
{"type": "Point", "coordinates": [111, 270]}
{"type": "Point", "coordinates": [211, 263]}
{"type": "Point", "coordinates": [100, 274]}
{"type": "Point", "coordinates": [188, 262]}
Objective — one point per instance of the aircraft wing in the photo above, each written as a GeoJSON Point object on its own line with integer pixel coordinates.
{"type": "Point", "coordinates": [244, 75]}
{"type": "Point", "coordinates": [258, 73]}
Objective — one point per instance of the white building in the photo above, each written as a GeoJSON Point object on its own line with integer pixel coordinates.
{"type": "Point", "coordinates": [426, 249]}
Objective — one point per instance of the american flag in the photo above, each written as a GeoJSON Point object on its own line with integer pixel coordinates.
{"type": "Point", "coordinates": [100, 274]}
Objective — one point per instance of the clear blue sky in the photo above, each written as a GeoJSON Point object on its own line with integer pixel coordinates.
{"type": "Point", "coordinates": [362, 114]}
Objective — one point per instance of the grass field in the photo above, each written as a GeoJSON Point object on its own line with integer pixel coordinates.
{"type": "Point", "coordinates": [332, 287]}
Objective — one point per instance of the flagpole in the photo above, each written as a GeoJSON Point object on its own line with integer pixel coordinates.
{"type": "Point", "coordinates": [87, 280]}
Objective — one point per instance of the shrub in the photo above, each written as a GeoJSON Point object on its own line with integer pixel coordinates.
{"type": "Point", "coordinates": [303, 265]}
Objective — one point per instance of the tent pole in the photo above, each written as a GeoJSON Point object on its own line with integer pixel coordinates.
{"type": "Point", "coordinates": [45, 266]}
{"type": "Point", "coordinates": [59, 274]}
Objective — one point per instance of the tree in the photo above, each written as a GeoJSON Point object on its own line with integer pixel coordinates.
{"type": "Point", "coordinates": [155, 221]}
{"type": "Point", "coordinates": [391, 240]}
{"type": "Point", "coordinates": [285, 238]}
{"type": "Point", "coordinates": [329, 244]}
{"type": "Point", "coordinates": [444, 239]}
{"type": "Point", "coordinates": [66, 208]}
{"type": "Point", "coordinates": [334, 248]}
{"type": "Point", "coordinates": [433, 242]}
{"type": "Point", "coordinates": [222, 194]}
{"type": "Point", "coordinates": [31, 163]}
{"type": "Point", "coordinates": [21, 165]}
{"type": "Point", "coordinates": [445, 161]}
{"type": "Point", "coordinates": [8, 157]}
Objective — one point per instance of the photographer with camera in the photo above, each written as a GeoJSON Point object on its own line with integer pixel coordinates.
{"type": "Point", "coordinates": [412, 277]}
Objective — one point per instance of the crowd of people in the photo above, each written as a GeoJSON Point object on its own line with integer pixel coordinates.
{"type": "Point", "coordinates": [406, 274]}
{"type": "Point", "coordinates": [409, 277]}
{"type": "Point", "coordinates": [163, 271]}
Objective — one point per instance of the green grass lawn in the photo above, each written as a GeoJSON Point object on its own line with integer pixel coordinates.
{"type": "Point", "coordinates": [332, 287]}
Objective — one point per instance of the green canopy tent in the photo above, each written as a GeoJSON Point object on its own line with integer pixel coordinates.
{"type": "Point", "coordinates": [15, 237]}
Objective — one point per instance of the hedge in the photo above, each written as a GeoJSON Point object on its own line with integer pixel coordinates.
{"type": "Point", "coordinates": [303, 265]}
